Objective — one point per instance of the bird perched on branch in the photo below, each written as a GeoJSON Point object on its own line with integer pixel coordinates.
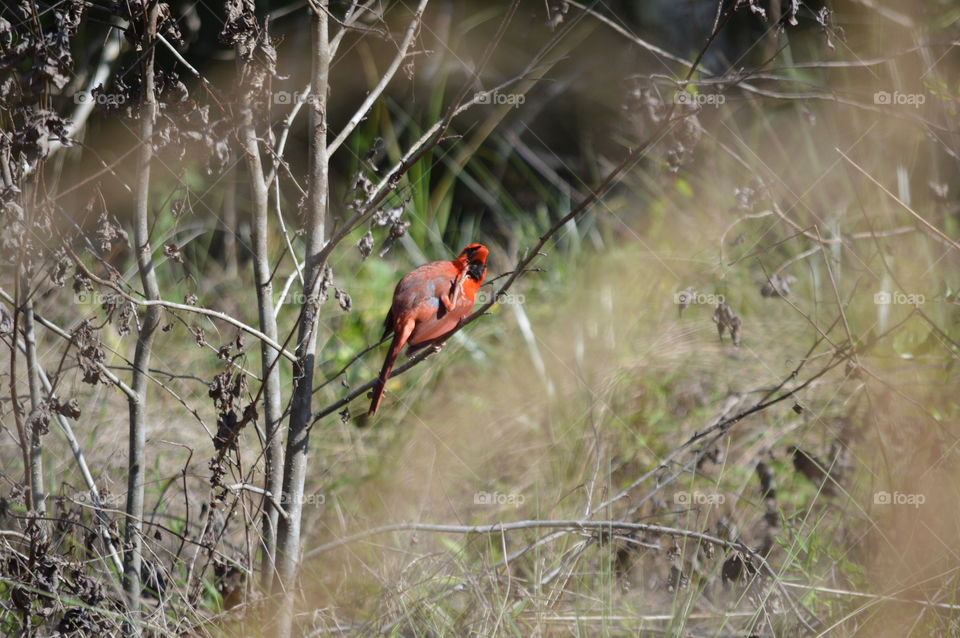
{"type": "Point", "coordinates": [428, 304]}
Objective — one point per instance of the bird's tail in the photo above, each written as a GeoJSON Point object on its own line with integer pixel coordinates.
{"type": "Point", "coordinates": [385, 372]}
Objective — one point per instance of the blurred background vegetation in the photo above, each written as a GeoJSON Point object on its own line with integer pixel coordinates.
{"type": "Point", "coordinates": [590, 373]}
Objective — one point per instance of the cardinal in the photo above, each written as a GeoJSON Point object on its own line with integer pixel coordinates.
{"type": "Point", "coordinates": [428, 304]}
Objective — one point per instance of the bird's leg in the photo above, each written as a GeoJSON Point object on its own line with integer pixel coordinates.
{"type": "Point", "coordinates": [450, 299]}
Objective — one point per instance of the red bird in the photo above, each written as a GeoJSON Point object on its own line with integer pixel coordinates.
{"type": "Point", "coordinates": [428, 304]}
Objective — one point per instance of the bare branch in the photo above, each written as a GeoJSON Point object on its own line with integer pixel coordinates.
{"type": "Point", "coordinates": [136, 462]}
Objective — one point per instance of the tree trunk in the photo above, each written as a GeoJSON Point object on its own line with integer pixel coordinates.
{"type": "Point", "coordinates": [272, 405]}
{"type": "Point", "coordinates": [141, 361]}
{"type": "Point", "coordinates": [288, 546]}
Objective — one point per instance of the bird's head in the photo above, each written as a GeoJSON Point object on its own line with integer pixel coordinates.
{"type": "Point", "coordinates": [475, 257]}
